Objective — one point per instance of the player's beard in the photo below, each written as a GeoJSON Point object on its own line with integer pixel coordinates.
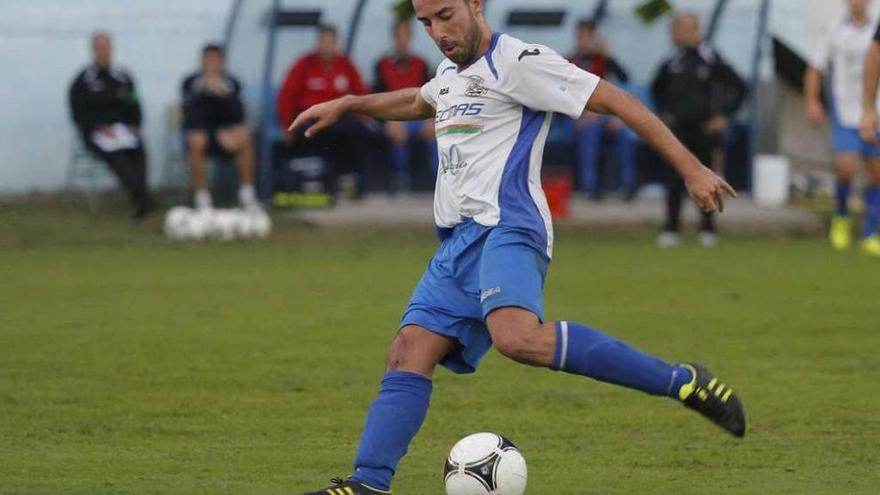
{"type": "Point", "coordinates": [470, 44]}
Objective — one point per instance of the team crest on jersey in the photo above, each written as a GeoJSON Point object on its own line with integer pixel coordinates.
{"type": "Point", "coordinates": [475, 87]}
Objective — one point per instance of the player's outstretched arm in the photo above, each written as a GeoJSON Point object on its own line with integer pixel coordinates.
{"type": "Point", "coordinates": [404, 104]}
{"type": "Point", "coordinates": [705, 186]}
{"type": "Point", "coordinates": [870, 121]}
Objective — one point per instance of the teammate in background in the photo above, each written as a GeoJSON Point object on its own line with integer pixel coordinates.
{"type": "Point", "coordinates": [398, 70]}
{"type": "Point", "coordinates": [321, 76]}
{"type": "Point", "coordinates": [105, 107]}
{"type": "Point", "coordinates": [696, 94]}
{"type": "Point", "coordinates": [844, 51]}
{"type": "Point", "coordinates": [592, 56]}
{"type": "Point", "coordinates": [213, 122]}
{"type": "Point", "coordinates": [495, 95]}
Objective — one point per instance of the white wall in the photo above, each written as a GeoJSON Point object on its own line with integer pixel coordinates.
{"type": "Point", "coordinates": [44, 43]}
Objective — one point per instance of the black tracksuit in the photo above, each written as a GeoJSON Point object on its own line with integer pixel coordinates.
{"type": "Point", "coordinates": [102, 97]}
{"type": "Point", "coordinates": [689, 89]}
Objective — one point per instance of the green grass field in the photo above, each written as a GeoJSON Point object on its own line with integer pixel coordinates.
{"type": "Point", "coordinates": [131, 365]}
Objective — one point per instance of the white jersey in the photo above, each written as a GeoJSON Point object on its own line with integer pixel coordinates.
{"type": "Point", "coordinates": [491, 122]}
{"type": "Point", "coordinates": [843, 50]}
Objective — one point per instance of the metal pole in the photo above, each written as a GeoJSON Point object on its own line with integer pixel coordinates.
{"type": "Point", "coordinates": [267, 116]}
{"type": "Point", "coordinates": [354, 24]}
{"type": "Point", "coordinates": [715, 19]}
{"type": "Point", "coordinates": [600, 12]}
{"type": "Point", "coordinates": [230, 23]}
{"type": "Point", "coordinates": [756, 76]}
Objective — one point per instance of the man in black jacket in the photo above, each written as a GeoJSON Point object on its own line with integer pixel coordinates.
{"type": "Point", "coordinates": [105, 107]}
{"type": "Point", "coordinates": [696, 93]}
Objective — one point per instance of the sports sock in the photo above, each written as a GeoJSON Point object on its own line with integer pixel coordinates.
{"type": "Point", "coordinates": [842, 194]}
{"type": "Point", "coordinates": [247, 195]}
{"type": "Point", "coordinates": [393, 421]}
{"type": "Point", "coordinates": [202, 199]}
{"type": "Point", "coordinates": [872, 210]}
{"type": "Point", "coordinates": [584, 351]}
{"type": "Point", "coordinates": [400, 158]}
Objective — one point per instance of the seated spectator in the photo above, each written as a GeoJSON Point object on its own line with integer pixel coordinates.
{"type": "Point", "coordinates": [591, 129]}
{"type": "Point", "coordinates": [398, 70]}
{"type": "Point", "coordinates": [105, 107]}
{"type": "Point", "coordinates": [320, 76]}
{"type": "Point", "coordinates": [213, 123]}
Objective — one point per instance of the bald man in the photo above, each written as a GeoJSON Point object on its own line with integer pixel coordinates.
{"type": "Point", "coordinates": [105, 107]}
{"type": "Point", "coordinates": [696, 94]}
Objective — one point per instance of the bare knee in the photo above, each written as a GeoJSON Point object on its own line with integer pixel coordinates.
{"type": "Point", "coordinates": [417, 350]}
{"type": "Point", "coordinates": [872, 172]}
{"type": "Point", "coordinates": [197, 142]}
{"type": "Point", "coordinates": [845, 167]}
{"type": "Point", "coordinates": [520, 336]}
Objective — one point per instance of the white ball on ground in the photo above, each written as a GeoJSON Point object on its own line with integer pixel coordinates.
{"type": "Point", "coordinates": [224, 223]}
{"type": "Point", "coordinates": [259, 223]}
{"type": "Point", "coordinates": [485, 464]}
{"type": "Point", "coordinates": [176, 220]}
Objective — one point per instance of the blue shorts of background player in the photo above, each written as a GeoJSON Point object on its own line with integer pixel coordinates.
{"type": "Point", "coordinates": [476, 270]}
{"type": "Point", "coordinates": [847, 140]}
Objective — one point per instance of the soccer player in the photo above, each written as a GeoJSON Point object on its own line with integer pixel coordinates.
{"type": "Point", "coordinates": [492, 99]}
{"type": "Point", "coordinates": [844, 49]}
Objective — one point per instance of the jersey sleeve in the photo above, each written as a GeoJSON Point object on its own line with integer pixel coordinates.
{"type": "Point", "coordinates": [822, 51]}
{"type": "Point", "coordinates": [429, 92]}
{"type": "Point", "coordinates": [539, 78]}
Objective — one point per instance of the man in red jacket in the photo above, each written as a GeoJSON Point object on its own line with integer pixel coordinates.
{"type": "Point", "coordinates": [320, 76]}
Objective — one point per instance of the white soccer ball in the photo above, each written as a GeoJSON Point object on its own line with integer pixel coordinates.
{"type": "Point", "coordinates": [259, 223]}
{"type": "Point", "coordinates": [224, 224]}
{"type": "Point", "coordinates": [176, 220]}
{"type": "Point", "coordinates": [485, 464]}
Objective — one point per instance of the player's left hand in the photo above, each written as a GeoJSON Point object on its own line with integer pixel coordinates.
{"type": "Point", "coordinates": [708, 189]}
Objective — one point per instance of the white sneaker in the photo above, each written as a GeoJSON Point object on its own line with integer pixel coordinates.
{"type": "Point", "coordinates": [668, 239]}
{"type": "Point", "coordinates": [708, 239]}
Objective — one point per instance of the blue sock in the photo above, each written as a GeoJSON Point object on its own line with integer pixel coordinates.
{"type": "Point", "coordinates": [872, 210]}
{"type": "Point", "coordinates": [393, 421]}
{"type": "Point", "coordinates": [843, 199]}
{"type": "Point", "coordinates": [400, 158]}
{"type": "Point", "coordinates": [583, 351]}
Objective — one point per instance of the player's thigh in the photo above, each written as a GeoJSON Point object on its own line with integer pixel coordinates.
{"type": "Point", "coordinates": [233, 139]}
{"type": "Point", "coordinates": [512, 273]}
{"type": "Point", "coordinates": [872, 170]}
{"type": "Point", "coordinates": [418, 350]}
{"type": "Point", "coordinates": [846, 165]}
{"type": "Point", "coordinates": [197, 140]}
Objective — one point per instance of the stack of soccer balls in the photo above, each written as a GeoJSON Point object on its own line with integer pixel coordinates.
{"type": "Point", "coordinates": [185, 224]}
{"type": "Point", "coordinates": [485, 464]}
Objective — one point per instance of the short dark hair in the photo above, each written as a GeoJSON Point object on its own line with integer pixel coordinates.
{"type": "Point", "coordinates": [327, 28]}
{"type": "Point", "coordinates": [214, 48]}
{"type": "Point", "coordinates": [587, 23]}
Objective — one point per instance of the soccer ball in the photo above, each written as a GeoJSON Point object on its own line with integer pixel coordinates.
{"type": "Point", "coordinates": [182, 223]}
{"type": "Point", "coordinates": [485, 464]}
{"type": "Point", "coordinates": [224, 224]}
{"type": "Point", "coordinates": [253, 223]}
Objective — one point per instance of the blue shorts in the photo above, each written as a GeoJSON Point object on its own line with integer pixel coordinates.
{"type": "Point", "coordinates": [475, 271]}
{"type": "Point", "coordinates": [847, 140]}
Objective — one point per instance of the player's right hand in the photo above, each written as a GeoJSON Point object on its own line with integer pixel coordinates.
{"type": "Point", "coordinates": [868, 126]}
{"type": "Point", "coordinates": [815, 113]}
{"type": "Point", "coordinates": [708, 189]}
{"type": "Point", "coordinates": [321, 116]}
